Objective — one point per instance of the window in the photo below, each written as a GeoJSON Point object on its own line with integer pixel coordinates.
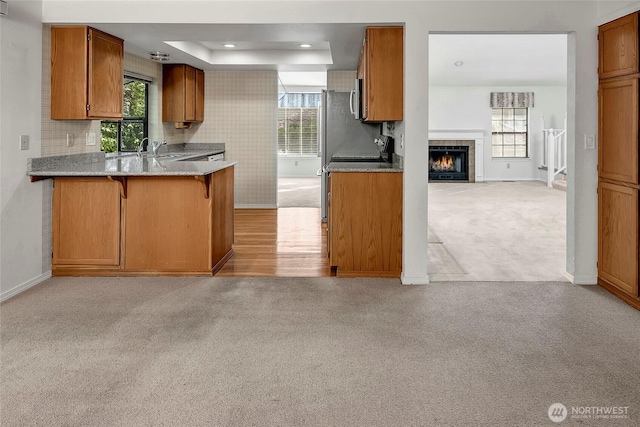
{"type": "Point", "coordinates": [298, 124]}
{"type": "Point", "coordinates": [126, 134]}
{"type": "Point", "coordinates": [509, 132]}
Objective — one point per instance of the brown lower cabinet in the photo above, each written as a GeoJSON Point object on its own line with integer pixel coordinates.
{"type": "Point", "coordinates": [86, 223]}
{"type": "Point", "coordinates": [365, 223]}
{"type": "Point", "coordinates": [618, 238]}
{"type": "Point", "coordinates": [163, 225]}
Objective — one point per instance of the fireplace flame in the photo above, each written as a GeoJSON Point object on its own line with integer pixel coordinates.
{"type": "Point", "coordinates": [445, 163]}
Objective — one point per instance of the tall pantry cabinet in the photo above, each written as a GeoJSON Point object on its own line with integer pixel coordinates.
{"type": "Point", "coordinates": [618, 158]}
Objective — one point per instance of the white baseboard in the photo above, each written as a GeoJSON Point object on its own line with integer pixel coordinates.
{"type": "Point", "coordinates": [506, 179]}
{"type": "Point", "coordinates": [581, 280]}
{"type": "Point", "coordinates": [23, 287]}
{"type": "Point", "coordinates": [414, 280]}
{"type": "Point", "coordinates": [256, 206]}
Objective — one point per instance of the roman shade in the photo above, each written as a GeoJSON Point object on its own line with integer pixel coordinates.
{"type": "Point", "coordinates": [511, 100]}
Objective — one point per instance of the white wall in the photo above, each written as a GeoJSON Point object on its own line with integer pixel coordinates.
{"type": "Point", "coordinates": [241, 110]}
{"type": "Point", "coordinates": [21, 200]}
{"type": "Point", "coordinates": [577, 18]}
{"type": "Point", "coordinates": [298, 166]}
{"type": "Point", "coordinates": [467, 107]}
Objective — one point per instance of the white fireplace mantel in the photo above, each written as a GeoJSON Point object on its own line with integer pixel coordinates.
{"type": "Point", "coordinates": [465, 134]}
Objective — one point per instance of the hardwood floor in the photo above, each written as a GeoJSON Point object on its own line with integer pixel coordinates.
{"type": "Point", "coordinates": [285, 242]}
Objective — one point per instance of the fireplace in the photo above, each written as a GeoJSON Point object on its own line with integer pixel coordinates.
{"type": "Point", "coordinates": [449, 163]}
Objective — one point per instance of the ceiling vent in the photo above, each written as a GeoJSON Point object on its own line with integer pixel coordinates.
{"type": "Point", "coordinates": [4, 8]}
{"type": "Point", "coordinates": [157, 56]}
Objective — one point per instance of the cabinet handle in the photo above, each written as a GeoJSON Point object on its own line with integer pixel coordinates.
{"type": "Point", "coordinates": [351, 100]}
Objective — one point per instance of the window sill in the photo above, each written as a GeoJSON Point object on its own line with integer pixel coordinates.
{"type": "Point", "coordinates": [511, 159]}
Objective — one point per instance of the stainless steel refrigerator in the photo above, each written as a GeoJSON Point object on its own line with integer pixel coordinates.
{"type": "Point", "coordinates": [342, 137]}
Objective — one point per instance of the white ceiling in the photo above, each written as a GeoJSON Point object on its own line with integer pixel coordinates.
{"type": "Point", "coordinates": [488, 59]}
{"type": "Point", "coordinates": [260, 46]}
{"type": "Point", "coordinates": [498, 59]}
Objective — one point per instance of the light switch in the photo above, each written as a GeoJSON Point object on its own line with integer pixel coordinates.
{"type": "Point", "coordinates": [589, 142]}
{"type": "Point", "coordinates": [24, 142]}
{"type": "Point", "coordinates": [69, 140]}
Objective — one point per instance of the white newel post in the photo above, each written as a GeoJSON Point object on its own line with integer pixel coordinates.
{"type": "Point", "coordinates": [551, 143]}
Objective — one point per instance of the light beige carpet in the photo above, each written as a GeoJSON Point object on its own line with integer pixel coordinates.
{"type": "Point", "coordinates": [312, 352]}
{"type": "Point", "coordinates": [497, 231]}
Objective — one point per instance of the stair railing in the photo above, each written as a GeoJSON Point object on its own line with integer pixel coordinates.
{"type": "Point", "coordinates": [554, 151]}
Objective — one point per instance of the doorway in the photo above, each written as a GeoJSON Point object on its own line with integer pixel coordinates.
{"type": "Point", "coordinates": [508, 226]}
{"type": "Point", "coordinates": [299, 96]}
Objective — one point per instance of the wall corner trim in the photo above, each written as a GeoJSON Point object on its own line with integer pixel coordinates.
{"type": "Point", "coordinates": [23, 287]}
{"type": "Point", "coordinates": [581, 280]}
{"type": "Point", "coordinates": [414, 280]}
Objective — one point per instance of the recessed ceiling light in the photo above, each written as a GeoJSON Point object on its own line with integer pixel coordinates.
{"type": "Point", "coordinates": [305, 45]}
{"type": "Point", "coordinates": [229, 45]}
{"type": "Point", "coordinates": [458, 63]}
{"type": "Point", "coordinates": [159, 56]}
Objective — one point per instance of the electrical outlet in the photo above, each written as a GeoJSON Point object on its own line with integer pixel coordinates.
{"type": "Point", "coordinates": [24, 142]}
{"type": "Point", "coordinates": [508, 165]}
{"type": "Point", "coordinates": [402, 141]}
{"type": "Point", "coordinates": [91, 138]}
{"type": "Point", "coordinates": [388, 128]}
{"type": "Point", "coordinates": [69, 140]}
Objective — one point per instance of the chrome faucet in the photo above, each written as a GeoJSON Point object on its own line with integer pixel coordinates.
{"type": "Point", "coordinates": [141, 146]}
{"type": "Point", "coordinates": [155, 146]}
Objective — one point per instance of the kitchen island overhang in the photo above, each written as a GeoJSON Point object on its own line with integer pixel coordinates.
{"type": "Point", "coordinates": [139, 216]}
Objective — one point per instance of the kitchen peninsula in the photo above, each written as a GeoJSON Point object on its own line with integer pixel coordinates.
{"type": "Point", "coordinates": [147, 215]}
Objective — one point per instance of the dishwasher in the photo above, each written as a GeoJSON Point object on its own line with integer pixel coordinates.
{"type": "Point", "coordinates": [211, 158]}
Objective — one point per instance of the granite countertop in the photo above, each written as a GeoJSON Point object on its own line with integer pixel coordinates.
{"type": "Point", "coordinates": [363, 167]}
{"type": "Point", "coordinates": [175, 161]}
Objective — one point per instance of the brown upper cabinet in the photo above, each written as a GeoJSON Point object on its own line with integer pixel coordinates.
{"type": "Point", "coordinates": [381, 69]}
{"type": "Point", "coordinates": [618, 47]}
{"type": "Point", "coordinates": [618, 130]}
{"type": "Point", "coordinates": [87, 74]}
{"type": "Point", "coordinates": [182, 94]}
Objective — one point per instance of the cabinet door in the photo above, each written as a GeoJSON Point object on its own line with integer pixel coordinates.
{"type": "Point", "coordinates": [618, 47]}
{"type": "Point", "coordinates": [68, 73]}
{"type": "Point", "coordinates": [173, 93]}
{"type": "Point", "coordinates": [106, 75]}
{"type": "Point", "coordinates": [618, 236]}
{"type": "Point", "coordinates": [86, 222]}
{"type": "Point", "coordinates": [362, 75]}
{"type": "Point", "coordinates": [618, 130]}
{"type": "Point", "coordinates": [384, 74]}
{"type": "Point", "coordinates": [168, 223]}
{"type": "Point", "coordinates": [189, 93]}
{"type": "Point", "coordinates": [329, 221]}
{"type": "Point", "coordinates": [199, 95]}
{"type": "Point", "coordinates": [366, 223]}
